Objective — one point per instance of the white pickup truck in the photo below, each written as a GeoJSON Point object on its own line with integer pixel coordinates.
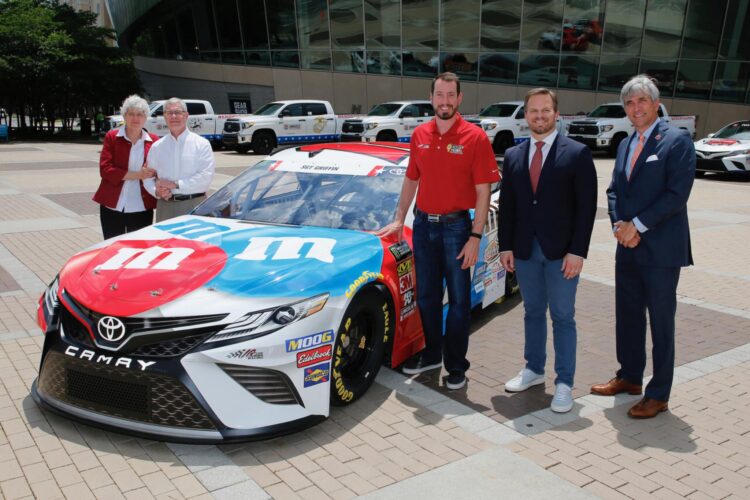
{"type": "Point", "coordinates": [608, 124]}
{"type": "Point", "coordinates": [389, 121]}
{"type": "Point", "coordinates": [201, 120]}
{"type": "Point", "coordinates": [282, 122]}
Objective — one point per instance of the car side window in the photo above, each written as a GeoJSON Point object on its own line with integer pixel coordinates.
{"type": "Point", "coordinates": [196, 108]}
{"type": "Point", "coordinates": [293, 110]}
{"type": "Point", "coordinates": [520, 114]}
{"type": "Point", "coordinates": [410, 111]}
{"type": "Point", "coordinates": [315, 108]}
{"type": "Point", "coordinates": [661, 112]}
{"type": "Point", "coordinates": [158, 111]}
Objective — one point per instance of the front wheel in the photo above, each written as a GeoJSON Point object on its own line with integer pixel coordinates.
{"type": "Point", "coordinates": [263, 143]}
{"type": "Point", "coordinates": [360, 344]}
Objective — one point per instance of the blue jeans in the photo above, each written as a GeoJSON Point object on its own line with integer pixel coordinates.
{"type": "Point", "coordinates": [436, 246]}
{"type": "Point", "coordinates": [542, 283]}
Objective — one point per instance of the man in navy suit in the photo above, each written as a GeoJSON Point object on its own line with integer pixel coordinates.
{"type": "Point", "coordinates": [547, 210]}
{"type": "Point", "coordinates": [647, 199]}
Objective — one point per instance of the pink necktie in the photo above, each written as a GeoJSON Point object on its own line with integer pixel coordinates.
{"type": "Point", "coordinates": [636, 153]}
{"type": "Point", "coordinates": [536, 166]}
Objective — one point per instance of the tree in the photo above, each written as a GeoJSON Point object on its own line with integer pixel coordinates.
{"type": "Point", "coordinates": [56, 63]}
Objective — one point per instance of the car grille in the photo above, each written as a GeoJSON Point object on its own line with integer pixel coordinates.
{"type": "Point", "coordinates": [121, 392]}
{"type": "Point", "coordinates": [73, 329]}
{"type": "Point", "coordinates": [270, 386]}
{"type": "Point", "coordinates": [712, 165]}
{"type": "Point", "coordinates": [231, 126]}
{"type": "Point", "coordinates": [170, 348]}
{"type": "Point", "coordinates": [352, 127]}
{"type": "Point", "coordinates": [710, 156]}
{"type": "Point", "coordinates": [585, 129]}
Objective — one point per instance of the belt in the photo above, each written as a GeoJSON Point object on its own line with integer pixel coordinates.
{"type": "Point", "coordinates": [185, 197]}
{"type": "Point", "coordinates": [449, 217]}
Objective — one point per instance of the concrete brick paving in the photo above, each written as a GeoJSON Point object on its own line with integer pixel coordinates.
{"type": "Point", "coordinates": [406, 437]}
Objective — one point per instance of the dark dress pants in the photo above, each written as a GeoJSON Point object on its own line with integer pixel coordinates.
{"type": "Point", "coordinates": [115, 223]}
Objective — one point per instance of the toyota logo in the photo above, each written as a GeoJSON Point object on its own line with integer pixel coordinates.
{"type": "Point", "coordinates": [111, 328]}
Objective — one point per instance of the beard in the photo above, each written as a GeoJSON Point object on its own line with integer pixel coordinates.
{"type": "Point", "coordinates": [447, 114]}
{"type": "Point", "coordinates": [543, 128]}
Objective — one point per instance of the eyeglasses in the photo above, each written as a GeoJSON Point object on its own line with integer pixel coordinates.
{"type": "Point", "coordinates": [174, 113]}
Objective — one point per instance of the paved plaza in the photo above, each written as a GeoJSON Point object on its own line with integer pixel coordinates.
{"type": "Point", "coordinates": [408, 437]}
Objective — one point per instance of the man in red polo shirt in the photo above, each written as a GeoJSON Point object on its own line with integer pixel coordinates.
{"type": "Point", "coordinates": [453, 165]}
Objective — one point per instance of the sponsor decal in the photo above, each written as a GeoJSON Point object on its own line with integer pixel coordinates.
{"type": "Point", "coordinates": [88, 354]}
{"type": "Point", "coordinates": [110, 328]}
{"type": "Point", "coordinates": [479, 272]}
{"type": "Point", "coordinates": [479, 287]}
{"type": "Point", "coordinates": [423, 146]}
{"type": "Point", "coordinates": [491, 252]}
{"type": "Point", "coordinates": [319, 124]}
{"type": "Point", "coordinates": [317, 374]}
{"type": "Point", "coordinates": [397, 171]}
{"type": "Point", "coordinates": [408, 310]}
{"type": "Point", "coordinates": [308, 341]}
{"type": "Point", "coordinates": [408, 298]}
{"type": "Point", "coordinates": [400, 250]}
{"type": "Point", "coordinates": [307, 358]}
{"type": "Point", "coordinates": [456, 149]}
{"type": "Point", "coordinates": [365, 277]}
{"type": "Point", "coordinates": [194, 124]}
{"type": "Point", "coordinates": [286, 248]}
{"type": "Point", "coordinates": [405, 267]}
{"type": "Point", "coordinates": [406, 282]}
{"type": "Point", "coordinates": [245, 354]}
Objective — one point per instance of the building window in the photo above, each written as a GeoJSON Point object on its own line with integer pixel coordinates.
{"type": "Point", "coordinates": [282, 28]}
{"type": "Point", "coordinates": [736, 41]}
{"type": "Point", "coordinates": [419, 28]}
{"type": "Point", "coordinates": [347, 27]}
{"type": "Point", "coordinates": [694, 79]}
{"type": "Point", "coordinates": [498, 68]}
{"type": "Point", "coordinates": [419, 63]}
{"type": "Point", "coordinates": [663, 33]}
{"type": "Point", "coordinates": [501, 24]}
{"type": "Point", "coordinates": [703, 28]}
{"type": "Point", "coordinates": [253, 24]}
{"type": "Point", "coordinates": [538, 69]}
{"type": "Point", "coordinates": [542, 25]}
{"type": "Point", "coordinates": [312, 23]}
{"type": "Point", "coordinates": [460, 26]}
{"type": "Point", "coordinates": [623, 27]}
{"type": "Point", "coordinates": [383, 24]}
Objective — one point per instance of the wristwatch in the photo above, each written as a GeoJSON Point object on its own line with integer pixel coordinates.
{"type": "Point", "coordinates": [476, 235]}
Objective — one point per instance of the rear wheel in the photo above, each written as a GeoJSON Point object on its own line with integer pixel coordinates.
{"type": "Point", "coordinates": [387, 136]}
{"type": "Point", "coordinates": [360, 345]}
{"type": "Point", "coordinates": [700, 173]}
{"type": "Point", "coordinates": [502, 142]}
{"type": "Point", "coordinates": [263, 143]}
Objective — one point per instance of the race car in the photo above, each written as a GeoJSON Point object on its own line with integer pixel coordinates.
{"type": "Point", "coordinates": [249, 317]}
{"type": "Point", "coordinates": [728, 150]}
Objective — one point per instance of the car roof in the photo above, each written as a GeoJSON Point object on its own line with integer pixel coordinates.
{"type": "Point", "coordinates": [354, 158]}
{"type": "Point", "coordinates": [302, 101]}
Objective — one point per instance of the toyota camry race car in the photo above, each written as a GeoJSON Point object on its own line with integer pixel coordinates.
{"type": "Point", "coordinates": [250, 316]}
{"type": "Point", "coordinates": [728, 150]}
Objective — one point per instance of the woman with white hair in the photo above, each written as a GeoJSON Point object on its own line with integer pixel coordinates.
{"type": "Point", "coordinates": [125, 206]}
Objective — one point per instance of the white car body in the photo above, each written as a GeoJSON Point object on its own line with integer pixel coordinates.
{"type": "Point", "coordinates": [728, 150]}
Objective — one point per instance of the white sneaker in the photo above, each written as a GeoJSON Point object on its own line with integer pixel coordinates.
{"type": "Point", "coordinates": [562, 402]}
{"type": "Point", "coordinates": [525, 379]}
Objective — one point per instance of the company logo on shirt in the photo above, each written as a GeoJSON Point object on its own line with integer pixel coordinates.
{"type": "Point", "coordinates": [456, 149]}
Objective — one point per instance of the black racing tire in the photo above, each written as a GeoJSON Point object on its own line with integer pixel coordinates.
{"type": "Point", "coordinates": [360, 346]}
{"type": "Point", "coordinates": [700, 173]}
{"type": "Point", "coordinates": [263, 142]}
{"type": "Point", "coordinates": [502, 141]}
{"type": "Point", "coordinates": [616, 140]}
{"type": "Point", "coordinates": [387, 136]}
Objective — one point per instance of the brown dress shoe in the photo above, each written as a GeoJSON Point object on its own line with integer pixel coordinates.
{"type": "Point", "coordinates": [616, 386]}
{"type": "Point", "coordinates": [647, 408]}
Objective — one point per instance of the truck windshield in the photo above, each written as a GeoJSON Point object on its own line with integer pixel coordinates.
{"type": "Point", "coordinates": [384, 109]}
{"type": "Point", "coordinates": [612, 111]}
{"type": "Point", "coordinates": [269, 109]}
{"type": "Point", "coordinates": [264, 194]}
{"type": "Point", "coordinates": [152, 106]}
{"type": "Point", "coordinates": [498, 110]}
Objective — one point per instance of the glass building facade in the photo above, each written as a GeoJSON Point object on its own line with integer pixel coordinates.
{"type": "Point", "coordinates": [696, 49]}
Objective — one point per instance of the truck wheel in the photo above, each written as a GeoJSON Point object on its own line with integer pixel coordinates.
{"type": "Point", "coordinates": [387, 136]}
{"type": "Point", "coordinates": [359, 347]}
{"type": "Point", "coordinates": [263, 143]}
{"type": "Point", "coordinates": [244, 149]}
{"type": "Point", "coordinates": [503, 141]}
{"type": "Point", "coordinates": [616, 140]}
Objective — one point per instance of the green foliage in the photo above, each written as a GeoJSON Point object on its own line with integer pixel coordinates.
{"type": "Point", "coordinates": [55, 62]}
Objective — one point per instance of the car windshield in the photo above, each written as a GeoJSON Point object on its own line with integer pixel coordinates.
{"type": "Point", "coordinates": [269, 109]}
{"type": "Point", "coordinates": [737, 130]}
{"type": "Point", "coordinates": [500, 110]}
{"type": "Point", "coordinates": [384, 109]}
{"type": "Point", "coordinates": [608, 112]}
{"type": "Point", "coordinates": [268, 195]}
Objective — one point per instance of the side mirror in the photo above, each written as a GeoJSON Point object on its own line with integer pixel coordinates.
{"type": "Point", "coordinates": [406, 114]}
{"type": "Point", "coordinates": [711, 135]}
{"type": "Point", "coordinates": [285, 112]}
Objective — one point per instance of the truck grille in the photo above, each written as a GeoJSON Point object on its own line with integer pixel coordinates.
{"type": "Point", "coordinates": [351, 127]}
{"type": "Point", "coordinates": [583, 129]}
{"type": "Point", "coordinates": [121, 392]}
{"type": "Point", "coordinates": [231, 126]}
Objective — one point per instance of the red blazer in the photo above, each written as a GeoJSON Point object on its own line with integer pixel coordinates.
{"type": "Point", "coordinates": [113, 165]}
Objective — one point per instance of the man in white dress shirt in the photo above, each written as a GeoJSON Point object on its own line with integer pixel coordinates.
{"type": "Point", "coordinates": [184, 164]}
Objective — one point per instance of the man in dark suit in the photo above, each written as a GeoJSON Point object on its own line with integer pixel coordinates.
{"type": "Point", "coordinates": [647, 199]}
{"type": "Point", "coordinates": [547, 210]}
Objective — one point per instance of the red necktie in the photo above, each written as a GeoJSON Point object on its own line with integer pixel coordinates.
{"type": "Point", "coordinates": [536, 166]}
{"type": "Point", "coordinates": [636, 153]}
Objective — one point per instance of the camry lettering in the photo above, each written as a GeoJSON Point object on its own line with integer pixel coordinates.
{"type": "Point", "coordinates": [147, 258]}
{"type": "Point", "coordinates": [288, 248]}
{"type": "Point", "coordinates": [77, 352]}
